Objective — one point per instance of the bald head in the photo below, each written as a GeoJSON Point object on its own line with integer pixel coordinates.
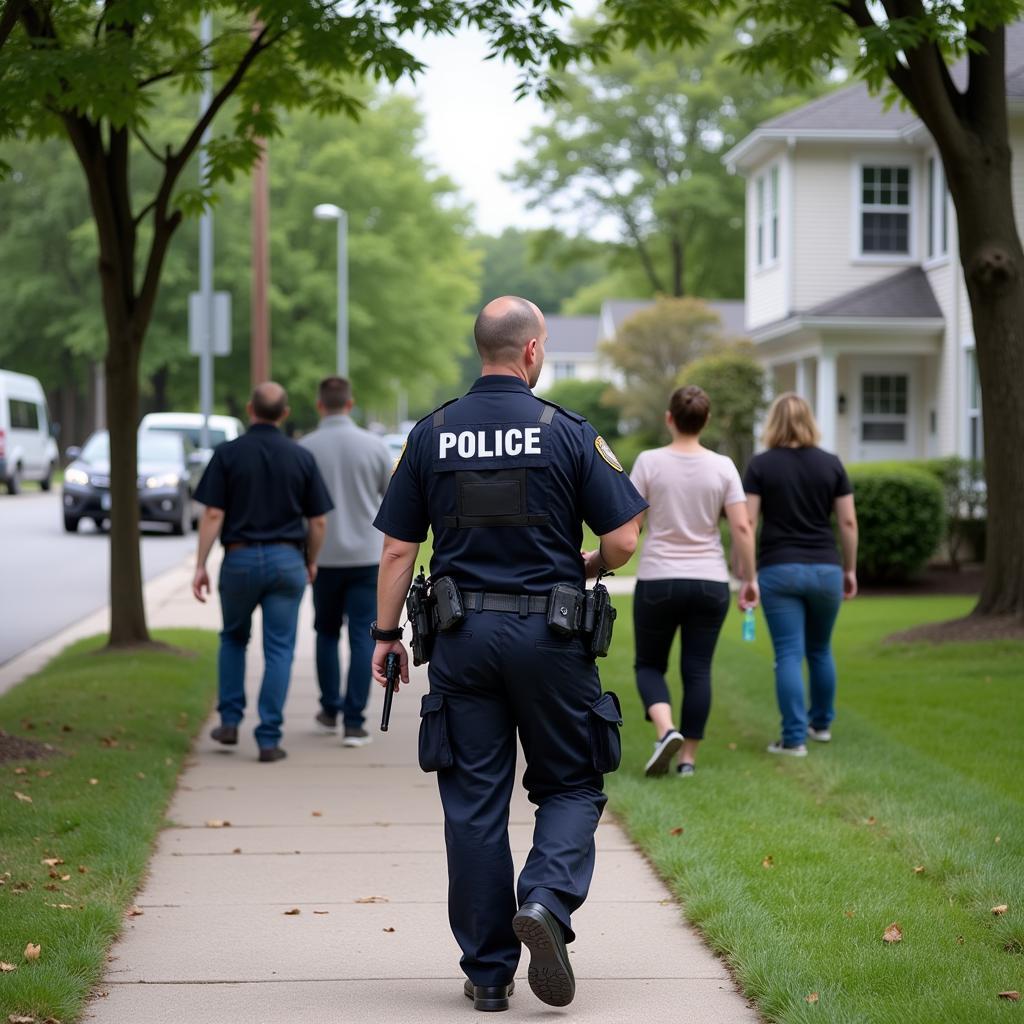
{"type": "Point", "coordinates": [269, 402]}
{"type": "Point", "coordinates": [504, 327]}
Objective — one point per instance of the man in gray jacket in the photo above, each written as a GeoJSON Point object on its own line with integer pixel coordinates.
{"type": "Point", "coordinates": [356, 466]}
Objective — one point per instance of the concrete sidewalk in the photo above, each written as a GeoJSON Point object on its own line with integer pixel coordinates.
{"type": "Point", "coordinates": [353, 841]}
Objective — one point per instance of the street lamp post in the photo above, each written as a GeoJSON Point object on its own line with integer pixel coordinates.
{"type": "Point", "coordinates": [328, 211]}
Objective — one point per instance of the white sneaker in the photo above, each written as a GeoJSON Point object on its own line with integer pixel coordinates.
{"type": "Point", "coordinates": [664, 750]}
{"type": "Point", "coordinates": [819, 735]}
{"type": "Point", "coordinates": [778, 748]}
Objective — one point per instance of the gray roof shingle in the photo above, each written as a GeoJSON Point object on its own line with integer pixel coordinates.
{"type": "Point", "coordinates": [576, 334]}
{"type": "Point", "coordinates": [732, 312]}
{"type": "Point", "coordinates": [906, 294]}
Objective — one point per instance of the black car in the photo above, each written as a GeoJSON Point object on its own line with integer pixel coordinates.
{"type": "Point", "coordinates": [168, 472]}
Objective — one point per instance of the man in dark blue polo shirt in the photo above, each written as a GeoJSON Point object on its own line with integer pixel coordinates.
{"type": "Point", "coordinates": [257, 491]}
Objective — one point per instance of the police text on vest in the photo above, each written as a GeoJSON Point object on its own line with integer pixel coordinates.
{"type": "Point", "coordinates": [490, 444]}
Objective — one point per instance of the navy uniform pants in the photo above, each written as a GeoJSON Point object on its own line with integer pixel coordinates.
{"type": "Point", "coordinates": [497, 675]}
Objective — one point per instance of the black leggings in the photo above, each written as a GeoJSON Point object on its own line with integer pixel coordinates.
{"type": "Point", "coordinates": [695, 607]}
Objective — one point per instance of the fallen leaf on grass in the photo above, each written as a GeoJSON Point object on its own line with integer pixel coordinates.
{"type": "Point", "coordinates": [65, 878]}
{"type": "Point", "coordinates": [373, 899]}
{"type": "Point", "coordinates": [44, 773]}
{"type": "Point", "coordinates": [133, 912]}
{"type": "Point", "coordinates": [732, 746]}
{"type": "Point", "coordinates": [52, 887]}
{"type": "Point", "coordinates": [919, 870]}
{"type": "Point", "coordinates": [22, 797]}
{"type": "Point", "coordinates": [20, 1018]}
{"type": "Point", "coordinates": [997, 839]}
{"type": "Point", "coordinates": [1012, 996]}
{"type": "Point", "coordinates": [811, 997]}
{"type": "Point", "coordinates": [51, 1020]}
{"type": "Point", "coordinates": [849, 913]}
{"type": "Point", "coordinates": [871, 821]}
{"type": "Point", "coordinates": [217, 823]}
{"type": "Point", "coordinates": [140, 775]}
{"type": "Point", "coordinates": [82, 869]}
{"type": "Point", "coordinates": [108, 741]}
{"type": "Point", "coordinates": [389, 929]}
{"type": "Point", "coordinates": [94, 782]}
{"type": "Point", "coordinates": [292, 912]}
{"type": "Point", "coordinates": [21, 771]}
{"type": "Point", "coordinates": [32, 951]}
{"type": "Point", "coordinates": [768, 862]}
{"type": "Point", "coordinates": [894, 933]}
{"type": "Point", "coordinates": [1000, 910]}
{"type": "Point", "coordinates": [677, 831]}
{"type": "Point", "coordinates": [51, 862]}
{"type": "Point", "coordinates": [6, 968]}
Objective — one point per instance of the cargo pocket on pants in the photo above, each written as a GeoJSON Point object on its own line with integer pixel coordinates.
{"type": "Point", "coordinates": [605, 744]}
{"type": "Point", "coordinates": [435, 751]}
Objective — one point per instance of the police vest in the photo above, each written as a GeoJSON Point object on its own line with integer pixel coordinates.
{"type": "Point", "coordinates": [491, 465]}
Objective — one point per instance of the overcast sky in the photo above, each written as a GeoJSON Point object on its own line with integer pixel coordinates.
{"type": "Point", "coordinates": [475, 128]}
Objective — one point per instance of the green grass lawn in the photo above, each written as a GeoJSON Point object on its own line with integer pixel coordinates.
{"type": "Point", "coordinates": [793, 869]}
{"type": "Point", "coordinates": [123, 724]}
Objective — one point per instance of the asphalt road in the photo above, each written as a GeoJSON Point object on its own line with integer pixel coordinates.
{"type": "Point", "coordinates": [50, 579]}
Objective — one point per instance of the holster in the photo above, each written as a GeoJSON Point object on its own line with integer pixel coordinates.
{"type": "Point", "coordinates": [420, 606]}
{"type": "Point", "coordinates": [598, 620]}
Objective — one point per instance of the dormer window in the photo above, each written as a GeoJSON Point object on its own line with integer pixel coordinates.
{"type": "Point", "coordinates": [884, 210]}
{"type": "Point", "coordinates": [766, 199]}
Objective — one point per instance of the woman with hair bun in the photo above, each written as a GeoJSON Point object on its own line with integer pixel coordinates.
{"type": "Point", "coordinates": [796, 487]}
{"type": "Point", "coordinates": [682, 579]}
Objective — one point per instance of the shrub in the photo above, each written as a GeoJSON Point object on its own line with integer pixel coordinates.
{"type": "Point", "coordinates": [588, 398]}
{"type": "Point", "coordinates": [901, 516]}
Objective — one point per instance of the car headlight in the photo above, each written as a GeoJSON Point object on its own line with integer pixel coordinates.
{"type": "Point", "coordinates": [162, 480]}
{"type": "Point", "coordinates": [76, 476]}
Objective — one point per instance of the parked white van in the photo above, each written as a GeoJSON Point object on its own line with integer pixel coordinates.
{"type": "Point", "coordinates": [27, 451]}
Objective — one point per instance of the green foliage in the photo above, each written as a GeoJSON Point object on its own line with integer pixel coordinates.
{"type": "Point", "coordinates": [126, 722]}
{"type": "Point", "coordinates": [637, 137]}
{"type": "Point", "coordinates": [900, 515]}
{"type": "Point", "coordinates": [589, 398]}
{"type": "Point", "coordinates": [651, 348]}
{"type": "Point", "coordinates": [846, 827]}
{"type": "Point", "coordinates": [735, 382]}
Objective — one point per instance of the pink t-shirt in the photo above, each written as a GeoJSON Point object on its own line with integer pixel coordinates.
{"type": "Point", "coordinates": [688, 493]}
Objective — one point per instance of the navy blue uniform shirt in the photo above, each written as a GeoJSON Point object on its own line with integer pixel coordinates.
{"type": "Point", "coordinates": [505, 482]}
{"type": "Point", "coordinates": [266, 485]}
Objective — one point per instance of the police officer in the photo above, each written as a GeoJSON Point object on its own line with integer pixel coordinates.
{"type": "Point", "coordinates": [504, 480]}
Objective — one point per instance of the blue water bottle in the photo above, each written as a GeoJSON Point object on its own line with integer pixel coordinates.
{"type": "Point", "coordinates": [748, 625]}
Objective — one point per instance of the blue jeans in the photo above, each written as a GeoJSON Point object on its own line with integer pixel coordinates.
{"type": "Point", "coordinates": [272, 576]}
{"type": "Point", "coordinates": [800, 604]}
{"type": "Point", "coordinates": [345, 595]}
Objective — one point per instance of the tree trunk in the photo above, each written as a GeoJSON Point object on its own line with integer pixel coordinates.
{"type": "Point", "coordinates": [158, 381]}
{"type": "Point", "coordinates": [127, 609]}
{"type": "Point", "coordinates": [993, 261]}
{"type": "Point", "coordinates": [678, 267]}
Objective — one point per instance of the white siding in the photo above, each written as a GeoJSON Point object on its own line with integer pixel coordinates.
{"type": "Point", "coordinates": [825, 225]}
{"type": "Point", "coordinates": [765, 288]}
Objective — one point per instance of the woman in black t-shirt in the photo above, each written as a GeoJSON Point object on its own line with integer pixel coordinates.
{"type": "Point", "coordinates": [796, 487]}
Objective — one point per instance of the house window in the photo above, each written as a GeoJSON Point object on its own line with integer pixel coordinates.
{"type": "Point", "coordinates": [938, 210]}
{"type": "Point", "coordinates": [766, 247]}
{"type": "Point", "coordinates": [975, 442]}
{"type": "Point", "coordinates": [883, 407]}
{"type": "Point", "coordinates": [565, 371]}
{"type": "Point", "coordinates": [885, 211]}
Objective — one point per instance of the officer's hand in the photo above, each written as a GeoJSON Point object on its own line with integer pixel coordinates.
{"type": "Point", "coordinates": [592, 563]}
{"type": "Point", "coordinates": [201, 584]}
{"type": "Point", "coordinates": [381, 651]}
{"type": "Point", "coordinates": [749, 595]}
{"type": "Point", "coordinates": [311, 571]}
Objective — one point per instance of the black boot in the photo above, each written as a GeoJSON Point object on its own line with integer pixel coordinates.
{"type": "Point", "coordinates": [489, 997]}
{"type": "Point", "coordinates": [551, 976]}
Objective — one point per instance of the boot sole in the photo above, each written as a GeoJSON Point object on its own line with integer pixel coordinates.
{"type": "Point", "coordinates": [550, 975]}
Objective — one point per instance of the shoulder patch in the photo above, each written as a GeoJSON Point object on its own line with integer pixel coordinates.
{"type": "Point", "coordinates": [398, 461]}
{"type": "Point", "coordinates": [574, 416]}
{"type": "Point", "coordinates": [606, 453]}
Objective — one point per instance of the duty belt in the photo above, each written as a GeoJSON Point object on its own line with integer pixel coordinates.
{"type": "Point", "coordinates": [523, 604]}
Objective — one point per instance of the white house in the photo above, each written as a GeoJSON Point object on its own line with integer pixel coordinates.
{"type": "Point", "coordinates": [573, 351]}
{"type": "Point", "coordinates": [854, 293]}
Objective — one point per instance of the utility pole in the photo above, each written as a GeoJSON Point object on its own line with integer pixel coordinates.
{"type": "Point", "coordinates": [259, 335]}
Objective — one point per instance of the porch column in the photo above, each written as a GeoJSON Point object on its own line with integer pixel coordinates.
{"type": "Point", "coordinates": [826, 400]}
{"type": "Point", "coordinates": [801, 378]}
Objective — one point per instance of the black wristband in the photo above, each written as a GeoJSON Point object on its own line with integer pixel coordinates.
{"type": "Point", "coordinates": [385, 634]}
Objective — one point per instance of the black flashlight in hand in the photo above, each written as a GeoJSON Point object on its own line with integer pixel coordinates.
{"type": "Point", "coordinates": [391, 664]}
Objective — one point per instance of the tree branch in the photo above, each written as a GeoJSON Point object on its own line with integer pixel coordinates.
{"type": "Point", "coordinates": [9, 18]}
{"type": "Point", "coordinates": [141, 139]}
{"type": "Point", "coordinates": [986, 81]}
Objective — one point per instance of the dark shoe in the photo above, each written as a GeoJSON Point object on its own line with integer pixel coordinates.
{"type": "Point", "coordinates": [356, 737]}
{"type": "Point", "coordinates": [551, 976]}
{"type": "Point", "coordinates": [226, 734]}
{"type": "Point", "coordinates": [272, 754]}
{"type": "Point", "coordinates": [664, 750]}
{"type": "Point", "coordinates": [327, 722]}
{"type": "Point", "coordinates": [489, 998]}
